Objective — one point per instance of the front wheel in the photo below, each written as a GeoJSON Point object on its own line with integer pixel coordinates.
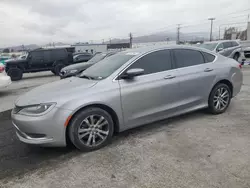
{"type": "Point", "coordinates": [15, 74]}
{"type": "Point", "coordinates": [91, 129]}
{"type": "Point", "coordinates": [219, 99]}
{"type": "Point", "coordinates": [58, 68]}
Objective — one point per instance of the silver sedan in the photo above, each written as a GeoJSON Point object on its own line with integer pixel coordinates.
{"type": "Point", "coordinates": [126, 90]}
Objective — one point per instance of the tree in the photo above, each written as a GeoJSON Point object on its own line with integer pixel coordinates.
{"type": "Point", "coordinates": [6, 50]}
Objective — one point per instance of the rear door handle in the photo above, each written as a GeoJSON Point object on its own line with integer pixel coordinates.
{"type": "Point", "coordinates": [208, 70]}
{"type": "Point", "coordinates": [169, 77]}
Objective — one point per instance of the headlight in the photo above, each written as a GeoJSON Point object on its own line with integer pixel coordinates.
{"type": "Point", "coordinates": [73, 71]}
{"type": "Point", "coordinates": [36, 110]}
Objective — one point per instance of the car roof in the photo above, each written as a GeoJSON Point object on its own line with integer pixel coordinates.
{"type": "Point", "coordinates": [147, 49]}
{"type": "Point", "coordinates": [219, 41]}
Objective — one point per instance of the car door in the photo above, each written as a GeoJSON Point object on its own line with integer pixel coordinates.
{"type": "Point", "coordinates": [47, 59]}
{"type": "Point", "coordinates": [196, 75]}
{"type": "Point", "coordinates": [220, 49]}
{"type": "Point", "coordinates": [151, 96]}
{"type": "Point", "coordinates": [36, 60]}
{"type": "Point", "coordinates": [228, 49]}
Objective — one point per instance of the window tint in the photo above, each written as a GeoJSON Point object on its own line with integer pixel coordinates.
{"type": "Point", "coordinates": [220, 46]}
{"type": "Point", "coordinates": [58, 53]}
{"type": "Point", "coordinates": [107, 66]}
{"type": "Point", "coordinates": [208, 57]}
{"type": "Point", "coordinates": [46, 55]}
{"type": "Point", "coordinates": [154, 62]}
{"type": "Point", "coordinates": [186, 58]}
{"type": "Point", "coordinates": [227, 44]}
{"type": "Point", "coordinates": [37, 55]}
{"type": "Point", "coordinates": [234, 43]}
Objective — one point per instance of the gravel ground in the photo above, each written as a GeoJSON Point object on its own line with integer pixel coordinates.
{"type": "Point", "coordinates": [193, 150]}
{"type": "Point", "coordinates": [29, 81]}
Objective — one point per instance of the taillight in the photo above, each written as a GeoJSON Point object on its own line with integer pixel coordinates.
{"type": "Point", "coordinates": [1, 69]}
{"type": "Point", "coordinates": [240, 66]}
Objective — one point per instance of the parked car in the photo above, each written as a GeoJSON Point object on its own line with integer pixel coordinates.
{"type": "Point", "coordinates": [247, 52]}
{"type": "Point", "coordinates": [126, 90]}
{"type": "Point", "coordinates": [228, 48]}
{"type": "Point", "coordinates": [82, 57]}
{"type": "Point", "coordinates": [73, 70]}
{"type": "Point", "coordinates": [4, 79]}
{"type": "Point", "coordinates": [39, 60]}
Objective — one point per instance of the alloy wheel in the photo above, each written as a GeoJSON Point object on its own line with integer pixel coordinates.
{"type": "Point", "coordinates": [93, 130]}
{"type": "Point", "coordinates": [221, 99]}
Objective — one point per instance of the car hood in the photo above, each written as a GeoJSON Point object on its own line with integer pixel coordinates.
{"type": "Point", "coordinates": [59, 91]}
{"type": "Point", "coordinates": [10, 61]}
{"type": "Point", "coordinates": [77, 66]}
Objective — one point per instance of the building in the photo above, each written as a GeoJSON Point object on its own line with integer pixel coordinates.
{"type": "Point", "coordinates": [90, 48]}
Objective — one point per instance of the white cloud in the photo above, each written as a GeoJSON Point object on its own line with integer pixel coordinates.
{"type": "Point", "coordinates": [44, 21]}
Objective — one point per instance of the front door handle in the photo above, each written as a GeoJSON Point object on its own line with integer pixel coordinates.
{"type": "Point", "coordinates": [208, 70]}
{"type": "Point", "coordinates": [169, 77]}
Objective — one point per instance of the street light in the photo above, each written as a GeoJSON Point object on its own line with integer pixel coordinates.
{"type": "Point", "coordinates": [211, 30]}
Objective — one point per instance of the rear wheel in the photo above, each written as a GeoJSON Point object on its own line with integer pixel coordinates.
{"type": "Point", "coordinates": [219, 99]}
{"type": "Point", "coordinates": [58, 68]}
{"type": "Point", "coordinates": [15, 74]}
{"type": "Point", "coordinates": [91, 129]}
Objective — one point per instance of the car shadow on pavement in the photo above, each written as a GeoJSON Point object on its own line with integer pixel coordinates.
{"type": "Point", "coordinates": [17, 159]}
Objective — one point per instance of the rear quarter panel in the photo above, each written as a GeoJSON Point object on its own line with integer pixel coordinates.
{"type": "Point", "coordinates": [228, 69]}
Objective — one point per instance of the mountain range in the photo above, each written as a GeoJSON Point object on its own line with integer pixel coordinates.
{"type": "Point", "coordinates": [158, 37]}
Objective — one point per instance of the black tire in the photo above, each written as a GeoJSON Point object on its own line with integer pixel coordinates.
{"type": "Point", "coordinates": [15, 74]}
{"type": "Point", "coordinates": [58, 68]}
{"type": "Point", "coordinates": [78, 122]}
{"type": "Point", "coordinates": [236, 56]}
{"type": "Point", "coordinates": [213, 100]}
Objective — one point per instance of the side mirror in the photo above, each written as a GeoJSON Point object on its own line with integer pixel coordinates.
{"type": "Point", "coordinates": [220, 49]}
{"type": "Point", "coordinates": [131, 73]}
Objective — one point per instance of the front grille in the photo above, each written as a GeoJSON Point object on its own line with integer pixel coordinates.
{"type": "Point", "coordinates": [16, 109]}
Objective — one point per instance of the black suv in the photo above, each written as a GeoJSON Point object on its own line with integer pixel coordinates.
{"type": "Point", "coordinates": [39, 60]}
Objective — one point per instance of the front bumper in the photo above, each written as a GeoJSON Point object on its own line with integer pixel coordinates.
{"type": "Point", "coordinates": [4, 81]}
{"type": "Point", "coordinates": [46, 130]}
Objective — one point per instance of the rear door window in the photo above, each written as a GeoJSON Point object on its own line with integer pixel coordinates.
{"type": "Point", "coordinates": [58, 54]}
{"type": "Point", "coordinates": [47, 54]}
{"type": "Point", "coordinates": [186, 58]}
{"type": "Point", "coordinates": [37, 56]}
{"type": "Point", "coordinates": [234, 44]}
{"type": "Point", "coordinates": [227, 44]}
{"type": "Point", "coordinates": [208, 57]}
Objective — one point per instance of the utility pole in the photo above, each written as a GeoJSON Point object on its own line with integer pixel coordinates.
{"type": "Point", "coordinates": [178, 34]}
{"type": "Point", "coordinates": [103, 41]}
{"type": "Point", "coordinates": [130, 39]}
{"type": "Point", "coordinates": [211, 29]}
{"type": "Point", "coordinates": [110, 40]}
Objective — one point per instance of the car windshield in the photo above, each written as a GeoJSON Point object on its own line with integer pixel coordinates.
{"type": "Point", "coordinates": [97, 57]}
{"type": "Point", "coordinates": [209, 46]}
{"type": "Point", "coordinates": [106, 67]}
